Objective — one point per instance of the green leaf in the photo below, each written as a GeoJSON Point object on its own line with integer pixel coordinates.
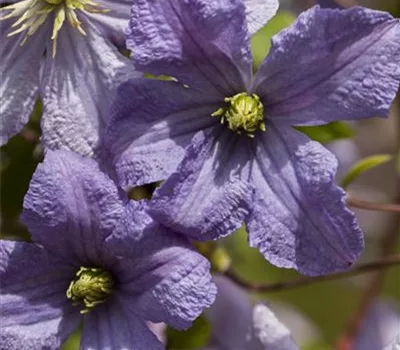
{"type": "Point", "coordinates": [364, 165]}
{"type": "Point", "coordinates": [329, 132]}
{"type": "Point", "coordinates": [20, 157]}
{"type": "Point", "coordinates": [73, 341]}
{"type": "Point", "coordinates": [260, 42]}
{"type": "Point", "coordinates": [193, 338]}
{"type": "Point", "coordinates": [319, 345]}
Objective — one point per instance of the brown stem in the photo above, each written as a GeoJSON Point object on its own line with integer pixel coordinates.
{"type": "Point", "coordinates": [357, 203]}
{"type": "Point", "coordinates": [305, 281]}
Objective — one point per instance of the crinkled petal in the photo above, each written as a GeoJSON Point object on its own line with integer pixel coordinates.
{"type": "Point", "coordinates": [259, 12]}
{"type": "Point", "coordinates": [332, 65]}
{"type": "Point", "coordinates": [79, 85]}
{"type": "Point", "coordinates": [34, 308]}
{"type": "Point", "coordinates": [204, 44]}
{"type": "Point", "coordinates": [209, 195]}
{"type": "Point", "coordinates": [161, 277]}
{"type": "Point", "coordinates": [71, 207]}
{"type": "Point", "coordinates": [114, 22]}
{"type": "Point", "coordinates": [299, 218]}
{"type": "Point", "coordinates": [47, 335]}
{"type": "Point", "coordinates": [110, 327]}
{"type": "Point", "coordinates": [20, 74]}
{"type": "Point", "coordinates": [151, 124]}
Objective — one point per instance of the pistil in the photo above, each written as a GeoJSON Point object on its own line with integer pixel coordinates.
{"type": "Point", "coordinates": [31, 14]}
{"type": "Point", "coordinates": [245, 114]}
{"type": "Point", "coordinates": [92, 286]}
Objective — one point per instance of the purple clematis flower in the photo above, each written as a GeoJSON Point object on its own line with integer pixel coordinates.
{"type": "Point", "coordinates": [66, 53]}
{"type": "Point", "coordinates": [227, 137]}
{"type": "Point", "coordinates": [96, 260]}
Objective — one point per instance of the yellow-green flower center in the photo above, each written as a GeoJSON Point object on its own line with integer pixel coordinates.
{"type": "Point", "coordinates": [31, 14]}
{"type": "Point", "coordinates": [92, 286]}
{"type": "Point", "coordinates": [245, 114]}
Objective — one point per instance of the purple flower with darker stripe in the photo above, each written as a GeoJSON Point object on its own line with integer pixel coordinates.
{"type": "Point", "coordinates": [224, 140]}
{"type": "Point", "coordinates": [96, 259]}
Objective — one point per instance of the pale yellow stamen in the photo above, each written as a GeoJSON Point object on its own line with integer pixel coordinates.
{"type": "Point", "coordinates": [92, 286]}
{"type": "Point", "coordinates": [245, 113]}
{"type": "Point", "coordinates": [31, 14]}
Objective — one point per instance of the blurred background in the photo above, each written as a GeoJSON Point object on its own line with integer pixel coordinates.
{"type": "Point", "coordinates": [323, 315]}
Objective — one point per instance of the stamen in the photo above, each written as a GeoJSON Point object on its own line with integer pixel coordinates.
{"type": "Point", "coordinates": [244, 113]}
{"type": "Point", "coordinates": [31, 14]}
{"type": "Point", "coordinates": [91, 287]}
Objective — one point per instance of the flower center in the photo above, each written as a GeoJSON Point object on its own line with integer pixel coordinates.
{"type": "Point", "coordinates": [92, 286]}
{"type": "Point", "coordinates": [244, 114]}
{"type": "Point", "coordinates": [31, 14]}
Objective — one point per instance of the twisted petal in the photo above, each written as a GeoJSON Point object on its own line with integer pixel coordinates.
{"type": "Point", "coordinates": [209, 195]}
{"type": "Point", "coordinates": [236, 324]}
{"type": "Point", "coordinates": [299, 218]}
{"type": "Point", "coordinates": [20, 74]}
{"type": "Point", "coordinates": [151, 124]}
{"type": "Point", "coordinates": [259, 12]}
{"type": "Point", "coordinates": [71, 207]}
{"type": "Point", "coordinates": [35, 313]}
{"type": "Point", "coordinates": [79, 85]}
{"type": "Point", "coordinates": [161, 278]}
{"type": "Point", "coordinates": [332, 65]}
{"type": "Point", "coordinates": [204, 44]}
{"type": "Point", "coordinates": [110, 327]}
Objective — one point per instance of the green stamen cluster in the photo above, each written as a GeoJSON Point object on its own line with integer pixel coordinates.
{"type": "Point", "coordinates": [31, 14]}
{"type": "Point", "coordinates": [92, 286]}
{"type": "Point", "coordinates": [244, 114]}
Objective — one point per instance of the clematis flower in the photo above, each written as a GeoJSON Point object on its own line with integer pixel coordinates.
{"type": "Point", "coordinates": [96, 260]}
{"type": "Point", "coordinates": [66, 53]}
{"type": "Point", "coordinates": [224, 139]}
{"type": "Point", "coordinates": [236, 324]}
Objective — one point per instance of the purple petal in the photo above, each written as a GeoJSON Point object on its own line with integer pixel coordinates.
{"type": "Point", "coordinates": [332, 65]}
{"type": "Point", "coordinates": [237, 325]}
{"type": "Point", "coordinates": [71, 207]}
{"type": "Point", "coordinates": [202, 43]}
{"type": "Point", "coordinates": [209, 195]}
{"type": "Point", "coordinates": [34, 308]}
{"type": "Point", "coordinates": [151, 124]}
{"type": "Point", "coordinates": [114, 22]}
{"type": "Point", "coordinates": [78, 87]}
{"type": "Point", "coordinates": [110, 327]}
{"type": "Point", "coordinates": [230, 316]}
{"type": "Point", "coordinates": [300, 219]}
{"type": "Point", "coordinates": [161, 277]}
{"type": "Point", "coordinates": [259, 12]}
{"type": "Point", "coordinates": [394, 344]}
{"type": "Point", "coordinates": [380, 327]}
{"type": "Point", "coordinates": [19, 72]}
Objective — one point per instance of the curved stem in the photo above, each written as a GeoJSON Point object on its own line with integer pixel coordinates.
{"type": "Point", "coordinates": [357, 203]}
{"type": "Point", "coordinates": [380, 264]}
